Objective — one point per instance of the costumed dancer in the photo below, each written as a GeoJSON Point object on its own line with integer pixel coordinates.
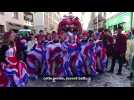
{"type": "Point", "coordinates": [75, 61]}
{"type": "Point", "coordinates": [65, 48]}
{"type": "Point", "coordinates": [54, 57]}
{"type": "Point", "coordinates": [107, 40]}
{"type": "Point", "coordinates": [87, 55]}
{"type": "Point", "coordinates": [35, 59]}
{"type": "Point", "coordinates": [101, 56]}
{"type": "Point", "coordinates": [15, 69]}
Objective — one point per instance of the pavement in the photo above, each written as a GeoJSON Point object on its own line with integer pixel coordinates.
{"type": "Point", "coordinates": [103, 80]}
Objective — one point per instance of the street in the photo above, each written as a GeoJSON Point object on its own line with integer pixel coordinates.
{"type": "Point", "coordinates": [104, 80]}
{"type": "Point", "coordinates": [66, 44]}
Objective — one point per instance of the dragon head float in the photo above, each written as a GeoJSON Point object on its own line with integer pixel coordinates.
{"type": "Point", "coordinates": [70, 24]}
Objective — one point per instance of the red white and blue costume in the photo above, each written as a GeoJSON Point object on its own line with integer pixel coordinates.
{"type": "Point", "coordinates": [35, 60]}
{"type": "Point", "coordinates": [88, 55]}
{"type": "Point", "coordinates": [73, 61]}
{"type": "Point", "coordinates": [15, 70]}
{"type": "Point", "coordinates": [101, 56]}
{"type": "Point", "coordinates": [54, 58]}
{"type": "Point", "coordinates": [88, 58]}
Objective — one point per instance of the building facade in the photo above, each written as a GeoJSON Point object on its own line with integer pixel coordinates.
{"type": "Point", "coordinates": [46, 21]}
{"type": "Point", "coordinates": [15, 20]}
{"type": "Point", "coordinates": [115, 19]}
{"type": "Point", "coordinates": [99, 20]}
{"type": "Point", "coordinates": [39, 22]}
{"type": "Point", "coordinates": [91, 23]}
{"type": "Point", "coordinates": [52, 20]}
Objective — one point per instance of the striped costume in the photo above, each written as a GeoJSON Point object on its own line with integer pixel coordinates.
{"type": "Point", "coordinates": [88, 58]}
{"type": "Point", "coordinates": [54, 58]}
{"type": "Point", "coordinates": [15, 70]}
{"type": "Point", "coordinates": [35, 60]}
{"type": "Point", "coordinates": [101, 56]}
{"type": "Point", "coordinates": [74, 61]}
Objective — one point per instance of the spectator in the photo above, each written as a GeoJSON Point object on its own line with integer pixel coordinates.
{"type": "Point", "coordinates": [107, 42]}
{"type": "Point", "coordinates": [41, 32]}
{"type": "Point", "coordinates": [130, 53]}
{"type": "Point", "coordinates": [119, 50]}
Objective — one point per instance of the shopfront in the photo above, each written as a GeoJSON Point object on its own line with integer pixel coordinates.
{"type": "Point", "coordinates": [123, 19]}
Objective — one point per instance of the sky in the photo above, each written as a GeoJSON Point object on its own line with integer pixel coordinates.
{"type": "Point", "coordinates": [83, 18]}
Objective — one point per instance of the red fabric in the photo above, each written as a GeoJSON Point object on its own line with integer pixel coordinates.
{"type": "Point", "coordinates": [7, 35]}
{"type": "Point", "coordinates": [103, 53]}
{"type": "Point", "coordinates": [3, 79]}
{"type": "Point", "coordinates": [12, 59]}
{"type": "Point", "coordinates": [85, 34]}
{"type": "Point", "coordinates": [78, 39]}
{"type": "Point", "coordinates": [21, 65]}
{"type": "Point", "coordinates": [18, 45]}
{"type": "Point", "coordinates": [39, 37]}
{"type": "Point", "coordinates": [69, 21]}
{"type": "Point", "coordinates": [102, 35]}
{"type": "Point", "coordinates": [73, 61]}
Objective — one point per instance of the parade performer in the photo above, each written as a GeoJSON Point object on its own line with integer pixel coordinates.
{"type": "Point", "coordinates": [101, 56]}
{"type": "Point", "coordinates": [54, 57]}
{"type": "Point", "coordinates": [84, 52]}
{"type": "Point", "coordinates": [31, 43]}
{"type": "Point", "coordinates": [35, 59]}
{"type": "Point", "coordinates": [65, 48]}
{"type": "Point", "coordinates": [87, 54]}
{"type": "Point", "coordinates": [15, 69]}
{"type": "Point", "coordinates": [108, 43]}
{"type": "Point", "coordinates": [74, 59]}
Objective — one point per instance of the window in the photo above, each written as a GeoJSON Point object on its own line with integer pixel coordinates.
{"type": "Point", "coordinates": [1, 28]}
{"type": "Point", "coordinates": [2, 13]}
{"type": "Point", "coordinates": [28, 16]}
{"type": "Point", "coordinates": [15, 15]}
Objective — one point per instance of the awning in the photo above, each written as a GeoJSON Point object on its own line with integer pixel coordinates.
{"type": "Point", "coordinates": [28, 30]}
{"type": "Point", "coordinates": [123, 17]}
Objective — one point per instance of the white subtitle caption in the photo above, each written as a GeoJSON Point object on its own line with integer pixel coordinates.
{"type": "Point", "coordinates": [67, 78]}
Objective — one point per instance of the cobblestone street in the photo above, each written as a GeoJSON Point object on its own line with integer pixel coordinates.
{"type": "Point", "coordinates": [104, 80]}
